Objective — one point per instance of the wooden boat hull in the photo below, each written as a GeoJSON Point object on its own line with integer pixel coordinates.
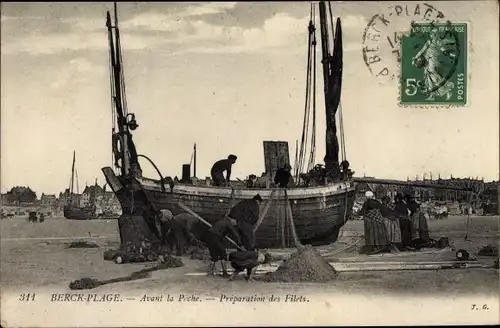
{"type": "Point", "coordinates": [317, 219]}
{"type": "Point", "coordinates": [78, 213]}
{"type": "Point", "coordinates": [318, 212]}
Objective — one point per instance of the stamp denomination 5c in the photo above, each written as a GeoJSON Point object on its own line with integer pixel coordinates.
{"type": "Point", "coordinates": [434, 64]}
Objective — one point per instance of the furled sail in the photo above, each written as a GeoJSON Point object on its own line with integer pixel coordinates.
{"type": "Point", "coordinates": [332, 74]}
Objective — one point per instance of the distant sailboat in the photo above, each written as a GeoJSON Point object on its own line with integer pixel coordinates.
{"type": "Point", "coordinates": [72, 209]}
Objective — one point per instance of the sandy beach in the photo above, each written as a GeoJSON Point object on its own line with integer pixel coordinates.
{"type": "Point", "coordinates": [36, 260]}
{"type": "Point", "coordinates": [36, 256]}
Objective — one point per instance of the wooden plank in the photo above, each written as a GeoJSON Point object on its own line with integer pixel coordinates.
{"type": "Point", "coordinates": [276, 155]}
{"type": "Point", "coordinates": [187, 209]}
{"type": "Point", "coordinates": [264, 212]}
{"type": "Point", "coordinates": [268, 268]}
{"type": "Point", "coordinates": [245, 193]}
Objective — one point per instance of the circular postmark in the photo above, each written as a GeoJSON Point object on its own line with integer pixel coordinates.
{"type": "Point", "coordinates": [382, 37]}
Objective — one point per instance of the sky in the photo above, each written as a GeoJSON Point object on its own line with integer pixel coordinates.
{"type": "Point", "coordinates": [227, 76]}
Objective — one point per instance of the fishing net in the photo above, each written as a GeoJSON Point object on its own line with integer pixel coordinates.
{"type": "Point", "coordinates": [306, 265]}
{"type": "Point", "coordinates": [488, 250]}
{"type": "Point", "coordinates": [84, 283]}
{"type": "Point", "coordinates": [143, 252]}
{"type": "Point", "coordinates": [90, 283]}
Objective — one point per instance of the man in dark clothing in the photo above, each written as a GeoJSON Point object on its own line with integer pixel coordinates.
{"type": "Point", "coordinates": [219, 167]}
{"type": "Point", "coordinates": [185, 221]}
{"type": "Point", "coordinates": [401, 208]}
{"type": "Point", "coordinates": [246, 214]}
{"type": "Point", "coordinates": [173, 233]}
{"type": "Point", "coordinates": [283, 176]}
{"type": "Point", "coordinates": [413, 206]}
{"type": "Point", "coordinates": [248, 260]}
{"type": "Point", "coordinates": [419, 228]}
{"type": "Point", "coordinates": [214, 238]}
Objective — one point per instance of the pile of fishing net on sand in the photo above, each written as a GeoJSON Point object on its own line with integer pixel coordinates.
{"type": "Point", "coordinates": [143, 252]}
{"type": "Point", "coordinates": [488, 250]}
{"type": "Point", "coordinates": [306, 265]}
{"type": "Point", "coordinates": [83, 244]}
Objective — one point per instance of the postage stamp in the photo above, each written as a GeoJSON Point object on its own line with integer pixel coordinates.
{"type": "Point", "coordinates": [434, 64]}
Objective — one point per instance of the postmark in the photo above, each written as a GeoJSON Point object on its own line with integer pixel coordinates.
{"type": "Point", "coordinates": [434, 64]}
{"type": "Point", "coordinates": [382, 37]}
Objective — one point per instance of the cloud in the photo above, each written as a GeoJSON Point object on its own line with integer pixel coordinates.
{"type": "Point", "coordinates": [152, 31]}
{"type": "Point", "coordinates": [352, 46]}
{"type": "Point", "coordinates": [77, 70]}
{"type": "Point", "coordinates": [7, 18]}
{"type": "Point", "coordinates": [154, 20]}
{"type": "Point", "coordinates": [351, 21]}
{"type": "Point", "coordinates": [54, 44]}
{"type": "Point", "coordinates": [281, 30]}
{"type": "Point", "coordinates": [183, 31]}
{"type": "Point", "coordinates": [207, 9]}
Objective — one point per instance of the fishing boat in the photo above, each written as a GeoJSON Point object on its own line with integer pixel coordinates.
{"type": "Point", "coordinates": [72, 210]}
{"type": "Point", "coordinates": [322, 199]}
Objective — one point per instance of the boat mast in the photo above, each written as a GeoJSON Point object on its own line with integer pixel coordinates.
{"type": "Point", "coordinates": [77, 186]}
{"type": "Point", "coordinates": [332, 76]}
{"type": "Point", "coordinates": [194, 161]}
{"type": "Point", "coordinates": [117, 90]}
{"type": "Point", "coordinates": [72, 181]}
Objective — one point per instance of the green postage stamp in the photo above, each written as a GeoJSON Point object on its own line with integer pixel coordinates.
{"type": "Point", "coordinates": [434, 64]}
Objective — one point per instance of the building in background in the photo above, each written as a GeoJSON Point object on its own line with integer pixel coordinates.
{"type": "Point", "coordinates": [48, 200]}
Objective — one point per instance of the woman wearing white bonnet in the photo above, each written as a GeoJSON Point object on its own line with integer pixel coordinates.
{"type": "Point", "coordinates": [381, 227]}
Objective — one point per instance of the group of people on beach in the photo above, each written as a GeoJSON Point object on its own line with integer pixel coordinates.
{"type": "Point", "coordinates": [393, 226]}
{"type": "Point", "coordinates": [184, 230]}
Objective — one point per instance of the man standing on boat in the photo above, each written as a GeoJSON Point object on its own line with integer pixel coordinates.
{"type": "Point", "coordinates": [283, 177]}
{"type": "Point", "coordinates": [246, 215]}
{"type": "Point", "coordinates": [218, 169]}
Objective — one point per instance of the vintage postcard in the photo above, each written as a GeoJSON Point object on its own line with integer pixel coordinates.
{"type": "Point", "coordinates": [249, 163]}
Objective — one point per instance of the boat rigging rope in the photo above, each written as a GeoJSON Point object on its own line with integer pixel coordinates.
{"type": "Point", "coordinates": [312, 155]}
{"type": "Point", "coordinates": [342, 139]}
{"type": "Point", "coordinates": [311, 67]}
{"type": "Point", "coordinates": [192, 157]}
{"type": "Point", "coordinates": [162, 180]}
